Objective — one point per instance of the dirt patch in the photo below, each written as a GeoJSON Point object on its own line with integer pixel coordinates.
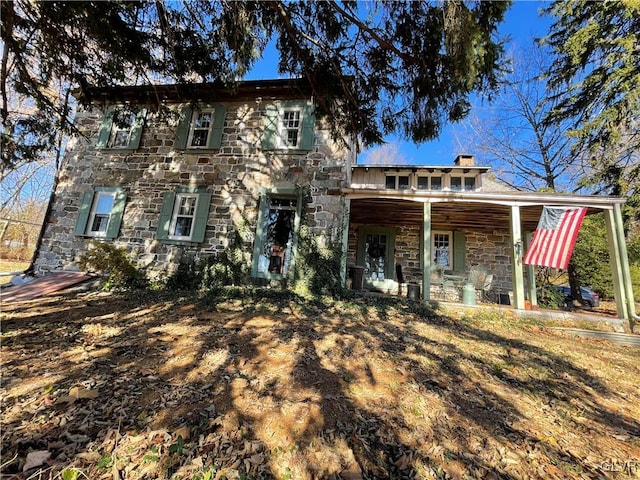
{"type": "Point", "coordinates": [257, 385]}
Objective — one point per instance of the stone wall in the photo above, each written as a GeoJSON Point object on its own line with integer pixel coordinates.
{"type": "Point", "coordinates": [235, 175]}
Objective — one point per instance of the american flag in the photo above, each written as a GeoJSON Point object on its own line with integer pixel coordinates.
{"type": "Point", "coordinates": [553, 240]}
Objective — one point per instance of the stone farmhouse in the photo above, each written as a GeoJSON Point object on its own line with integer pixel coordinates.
{"type": "Point", "coordinates": [171, 173]}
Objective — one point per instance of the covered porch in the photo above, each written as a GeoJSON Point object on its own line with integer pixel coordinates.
{"type": "Point", "coordinates": [420, 235]}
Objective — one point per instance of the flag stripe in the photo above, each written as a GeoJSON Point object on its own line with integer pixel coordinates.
{"type": "Point", "coordinates": [552, 247]}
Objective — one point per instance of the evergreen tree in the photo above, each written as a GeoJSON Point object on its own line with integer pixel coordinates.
{"type": "Point", "coordinates": [405, 67]}
{"type": "Point", "coordinates": [596, 49]}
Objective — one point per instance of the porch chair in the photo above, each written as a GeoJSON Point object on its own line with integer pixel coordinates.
{"type": "Point", "coordinates": [486, 288]}
{"type": "Point", "coordinates": [477, 277]}
{"type": "Point", "coordinates": [444, 289]}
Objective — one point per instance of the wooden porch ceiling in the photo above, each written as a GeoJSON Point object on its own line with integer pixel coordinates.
{"type": "Point", "coordinates": [445, 215]}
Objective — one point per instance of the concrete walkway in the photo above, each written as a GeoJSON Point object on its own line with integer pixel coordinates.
{"type": "Point", "coordinates": [620, 338]}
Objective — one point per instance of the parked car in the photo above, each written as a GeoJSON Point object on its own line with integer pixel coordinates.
{"type": "Point", "coordinates": [590, 297]}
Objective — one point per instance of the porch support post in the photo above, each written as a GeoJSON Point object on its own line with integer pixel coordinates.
{"type": "Point", "coordinates": [619, 289]}
{"type": "Point", "coordinates": [426, 251]}
{"type": "Point", "coordinates": [531, 275]}
{"type": "Point", "coordinates": [516, 256]}
{"type": "Point", "coordinates": [346, 220]}
{"type": "Point", "coordinates": [624, 260]}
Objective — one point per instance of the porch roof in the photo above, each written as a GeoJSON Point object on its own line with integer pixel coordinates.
{"type": "Point", "coordinates": [476, 210]}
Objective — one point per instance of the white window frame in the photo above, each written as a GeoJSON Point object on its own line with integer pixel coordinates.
{"type": "Point", "coordinates": [192, 128]}
{"type": "Point", "coordinates": [283, 130]}
{"type": "Point", "coordinates": [92, 215]}
{"type": "Point", "coordinates": [176, 213]}
{"type": "Point", "coordinates": [115, 130]}
{"type": "Point", "coordinates": [449, 234]}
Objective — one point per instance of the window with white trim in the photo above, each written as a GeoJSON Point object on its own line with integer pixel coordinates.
{"type": "Point", "coordinates": [121, 129]}
{"type": "Point", "coordinates": [290, 127]}
{"type": "Point", "coordinates": [200, 128]}
{"type": "Point", "coordinates": [442, 252]}
{"type": "Point", "coordinates": [100, 212]}
{"type": "Point", "coordinates": [183, 218]}
{"type": "Point", "coordinates": [100, 215]}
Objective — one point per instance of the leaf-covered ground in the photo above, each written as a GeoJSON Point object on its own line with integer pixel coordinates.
{"type": "Point", "coordinates": [263, 384]}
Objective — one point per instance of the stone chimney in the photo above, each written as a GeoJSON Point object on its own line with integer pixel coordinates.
{"type": "Point", "coordinates": [465, 161]}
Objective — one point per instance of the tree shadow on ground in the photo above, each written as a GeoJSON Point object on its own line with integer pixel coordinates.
{"type": "Point", "coordinates": [267, 384]}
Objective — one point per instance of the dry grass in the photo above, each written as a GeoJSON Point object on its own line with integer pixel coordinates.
{"type": "Point", "coordinates": [267, 385]}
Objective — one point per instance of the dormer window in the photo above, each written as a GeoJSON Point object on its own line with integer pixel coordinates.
{"type": "Point", "coordinates": [469, 184]}
{"type": "Point", "coordinates": [397, 182]}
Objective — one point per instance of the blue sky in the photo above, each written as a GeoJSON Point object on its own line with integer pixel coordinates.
{"type": "Point", "coordinates": [522, 23]}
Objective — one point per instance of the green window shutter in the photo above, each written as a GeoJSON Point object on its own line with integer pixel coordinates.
{"type": "Point", "coordinates": [182, 132]}
{"type": "Point", "coordinates": [201, 218]}
{"type": "Point", "coordinates": [458, 250]}
{"type": "Point", "coordinates": [105, 129]}
{"type": "Point", "coordinates": [219, 114]}
{"type": "Point", "coordinates": [270, 135]}
{"type": "Point", "coordinates": [168, 200]}
{"type": "Point", "coordinates": [117, 211]}
{"type": "Point", "coordinates": [83, 213]}
{"type": "Point", "coordinates": [136, 129]}
{"type": "Point", "coordinates": [263, 210]}
{"type": "Point", "coordinates": [308, 127]}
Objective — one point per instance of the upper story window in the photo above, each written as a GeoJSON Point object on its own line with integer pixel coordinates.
{"type": "Point", "coordinates": [200, 128]}
{"type": "Point", "coordinates": [397, 182]}
{"type": "Point", "coordinates": [100, 212]}
{"type": "Point", "coordinates": [121, 129]}
{"type": "Point", "coordinates": [289, 126]}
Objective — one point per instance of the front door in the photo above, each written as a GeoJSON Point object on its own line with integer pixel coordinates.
{"type": "Point", "coordinates": [375, 256]}
{"type": "Point", "coordinates": [375, 253]}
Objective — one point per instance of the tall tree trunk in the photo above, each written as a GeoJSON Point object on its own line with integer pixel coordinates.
{"type": "Point", "coordinates": [574, 283]}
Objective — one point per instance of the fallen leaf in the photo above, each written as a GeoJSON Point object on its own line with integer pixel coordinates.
{"type": "Point", "coordinates": [36, 459]}
{"type": "Point", "coordinates": [79, 392]}
{"type": "Point", "coordinates": [89, 456]}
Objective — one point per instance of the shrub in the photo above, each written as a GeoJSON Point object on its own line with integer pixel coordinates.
{"type": "Point", "coordinates": [211, 271]}
{"type": "Point", "coordinates": [114, 263]}
{"type": "Point", "coordinates": [317, 269]}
